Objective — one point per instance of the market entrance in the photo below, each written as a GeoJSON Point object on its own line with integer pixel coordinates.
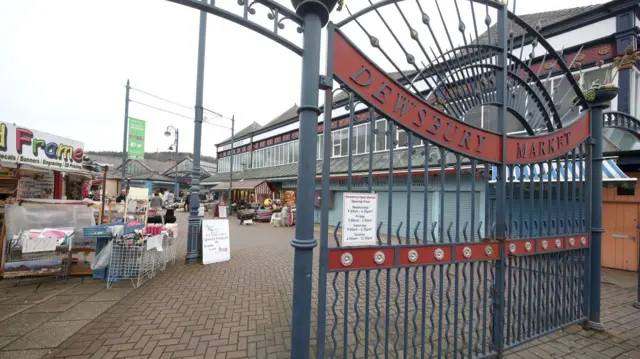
{"type": "Point", "coordinates": [452, 97]}
{"type": "Point", "coordinates": [486, 242]}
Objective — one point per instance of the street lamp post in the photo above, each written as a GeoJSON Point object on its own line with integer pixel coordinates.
{"type": "Point", "coordinates": [233, 124]}
{"type": "Point", "coordinates": [175, 143]}
{"type": "Point", "coordinates": [123, 185]}
{"type": "Point", "coordinates": [193, 255]}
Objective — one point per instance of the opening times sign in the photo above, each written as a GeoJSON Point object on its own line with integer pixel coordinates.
{"type": "Point", "coordinates": [359, 218]}
{"type": "Point", "coordinates": [136, 138]}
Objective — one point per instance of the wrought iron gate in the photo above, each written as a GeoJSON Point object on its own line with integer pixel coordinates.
{"type": "Point", "coordinates": [483, 225]}
{"type": "Point", "coordinates": [481, 230]}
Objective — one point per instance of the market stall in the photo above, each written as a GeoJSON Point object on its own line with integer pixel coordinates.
{"type": "Point", "coordinates": [245, 191]}
{"type": "Point", "coordinates": [44, 238]}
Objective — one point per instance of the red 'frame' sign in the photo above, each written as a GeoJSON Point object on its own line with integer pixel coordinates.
{"type": "Point", "coordinates": [395, 102]}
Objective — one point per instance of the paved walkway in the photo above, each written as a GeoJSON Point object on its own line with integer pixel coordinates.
{"type": "Point", "coordinates": [237, 309]}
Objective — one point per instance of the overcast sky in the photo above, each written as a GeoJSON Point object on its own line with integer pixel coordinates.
{"type": "Point", "coordinates": [64, 64]}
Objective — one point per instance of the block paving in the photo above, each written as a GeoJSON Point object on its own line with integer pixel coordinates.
{"type": "Point", "coordinates": [242, 309]}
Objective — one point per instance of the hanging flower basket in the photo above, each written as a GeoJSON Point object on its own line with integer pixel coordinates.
{"type": "Point", "coordinates": [598, 94]}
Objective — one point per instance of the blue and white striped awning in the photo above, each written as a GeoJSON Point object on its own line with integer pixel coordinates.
{"type": "Point", "coordinates": [574, 171]}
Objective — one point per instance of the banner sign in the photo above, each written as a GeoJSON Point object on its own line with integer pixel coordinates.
{"type": "Point", "coordinates": [359, 218]}
{"type": "Point", "coordinates": [215, 241]}
{"type": "Point", "coordinates": [136, 139]}
{"type": "Point", "coordinates": [22, 145]}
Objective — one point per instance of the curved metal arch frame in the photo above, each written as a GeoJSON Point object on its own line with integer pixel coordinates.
{"type": "Point", "coordinates": [549, 109]}
{"type": "Point", "coordinates": [511, 110]}
{"type": "Point", "coordinates": [547, 46]}
{"type": "Point", "coordinates": [278, 14]}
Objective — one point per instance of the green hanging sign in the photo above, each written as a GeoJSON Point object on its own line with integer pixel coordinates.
{"type": "Point", "coordinates": [136, 139]}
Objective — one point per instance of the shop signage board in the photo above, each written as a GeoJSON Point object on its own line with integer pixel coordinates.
{"type": "Point", "coordinates": [136, 138]}
{"type": "Point", "coordinates": [215, 241]}
{"type": "Point", "coordinates": [359, 218]}
{"type": "Point", "coordinates": [222, 211]}
{"type": "Point", "coordinates": [22, 145]}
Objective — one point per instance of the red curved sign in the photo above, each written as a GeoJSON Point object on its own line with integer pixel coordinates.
{"type": "Point", "coordinates": [392, 100]}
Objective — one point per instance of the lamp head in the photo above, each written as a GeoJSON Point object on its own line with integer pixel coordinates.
{"type": "Point", "coordinates": [171, 148]}
{"type": "Point", "coordinates": [167, 133]}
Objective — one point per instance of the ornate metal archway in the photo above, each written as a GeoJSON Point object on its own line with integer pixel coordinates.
{"type": "Point", "coordinates": [439, 275]}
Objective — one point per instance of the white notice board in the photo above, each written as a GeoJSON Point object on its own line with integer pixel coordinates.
{"type": "Point", "coordinates": [222, 211]}
{"type": "Point", "coordinates": [359, 218]}
{"type": "Point", "coordinates": [215, 241]}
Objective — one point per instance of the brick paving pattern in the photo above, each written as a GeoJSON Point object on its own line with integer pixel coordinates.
{"type": "Point", "coordinates": [242, 309]}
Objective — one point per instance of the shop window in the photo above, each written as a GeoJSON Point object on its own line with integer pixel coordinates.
{"type": "Point", "coordinates": [403, 139]}
{"type": "Point", "coordinates": [344, 142]}
{"type": "Point", "coordinates": [624, 191]}
{"type": "Point", "coordinates": [295, 151]}
{"type": "Point", "coordinates": [417, 141]}
{"type": "Point", "coordinates": [381, 137]}
{"type": "Point", "coordinates": [360, 139]}
{"type": "Point", "coordinates": [320, 146]}
{"type": "Point", "coordinates": [336, 143]}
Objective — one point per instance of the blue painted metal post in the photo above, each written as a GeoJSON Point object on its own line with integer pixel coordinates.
{"type": "Point", "coordinates": [233, 124]}
{"type": "Point", "coordinates": [595, 263]}
{"type": "Point", "coordinates": [123, 184]}
{"type": "Point", "coordinates": [176, 188]}
{"type": "Point", "coordinates": [501, 228]}
{"type": "Point", "coordinates": [315, 15]}
{"type": "Point", "coordinates": [193, 255]}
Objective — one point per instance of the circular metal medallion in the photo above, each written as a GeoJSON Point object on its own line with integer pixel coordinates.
{"type": "Point", "coordinates": [413, 255]}
{"type": "Point", "coordinates": [583, 240]}
{"type": "Point", "coordinates": [545, 244]}
{"type": "Point", "coordinates": [558, 243]}
{"type": "Point", "coordinates": [488, 251]}
{"type": "Point", "coordinates": [466, 252]}
{"type": "Point", "coordinates": [439, 254]}
{"type": "Point", "coordinates": [527, 246]}
{"type": "Point", "coordinates": [378, 257]}
{"type": "Point", "coordinates": [346, 259]}
{"type": "Point", "coordinates": [512, 248]}
{"type": "Point", "coordinates": [572, 242]}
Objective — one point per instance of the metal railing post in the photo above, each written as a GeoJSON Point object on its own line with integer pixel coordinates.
{"type": "Point", "coordinates": [315, 15]}
{"type": "Point", "coordinates": [595, 260]}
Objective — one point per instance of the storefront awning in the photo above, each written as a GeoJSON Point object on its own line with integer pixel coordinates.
{"type": "Point", "coordinates": [558, 172]}
{"type": "Point", "coordinates": [240, 185]}
{"type": "Point", "coordinates": [70, 171]}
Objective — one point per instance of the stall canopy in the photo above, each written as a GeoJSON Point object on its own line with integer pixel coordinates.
{"type": "Point", "coordinates": [561, 172]}
{"type": "Point", "coordinates": [245, 185]}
